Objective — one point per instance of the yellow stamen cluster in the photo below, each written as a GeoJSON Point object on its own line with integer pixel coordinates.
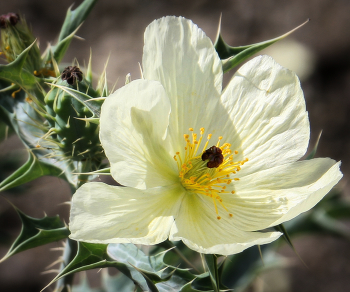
{"type": "Point", "coordinates": [198, 178]}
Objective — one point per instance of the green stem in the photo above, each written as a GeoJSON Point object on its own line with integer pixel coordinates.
{"type": "Point", "coordinates": [212, 267]}
{"type": "Point", "coordinates": [70, 249]}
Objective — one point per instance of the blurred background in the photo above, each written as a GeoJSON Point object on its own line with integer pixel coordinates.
{"type": "Point", "coordinates": [318, 53]}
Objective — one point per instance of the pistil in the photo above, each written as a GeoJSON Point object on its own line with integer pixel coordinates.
{"type": "Point", "coordinates": [208, 172]}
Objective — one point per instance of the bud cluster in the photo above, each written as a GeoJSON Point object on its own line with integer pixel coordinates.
{"type": "Point", "coordinates": [15, 38]}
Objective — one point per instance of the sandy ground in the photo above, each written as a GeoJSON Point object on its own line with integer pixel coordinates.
{"type": "Point", "coordinates": [115, 30]}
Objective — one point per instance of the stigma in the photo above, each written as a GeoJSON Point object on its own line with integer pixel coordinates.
{"type": "Point", "coordinates": [208, 171]}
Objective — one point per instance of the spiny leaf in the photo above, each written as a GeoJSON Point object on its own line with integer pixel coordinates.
{"type": "Point", "coordinates": [72, 23]}
{"type": "Point", "coordinates": [29, 171]}
{"type": "Point", "coordinates": [58, 51]}
{"type": "Point", "coordinates": [130, 261]}
{"type": "Point", "coordinates": [75, 18]}
{"type": "Point", "coordinates": [36, 232]}
{"type": "Point", "coordinates": [233, 56]}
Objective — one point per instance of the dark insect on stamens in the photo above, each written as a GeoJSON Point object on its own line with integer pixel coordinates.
{"type": "Point", "coordinates": [214, 155]}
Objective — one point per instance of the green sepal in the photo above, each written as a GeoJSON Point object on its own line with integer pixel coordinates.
{"type": "Point", "coordinates": [233, 56]}
{"type": "Point", "coordinates": [15, 73]}
{"type": "Point", "coordinates": [93, 105]}
{"type": "Point", "coordinates": [314, 150]}
{"type": "Point", "coordinates": [36, 232]}
{"type": "Point", "coordinates": [32, 169]}
{"type": "Point", "coordinates": [288, 239]}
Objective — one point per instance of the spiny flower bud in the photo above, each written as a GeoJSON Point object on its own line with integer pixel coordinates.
{"type": "Point", "coordinates": [78, 139]}
{"type": "Point", "coordinates": [15, 38]}
{"type": "Point", "coordinates": [71, 74]}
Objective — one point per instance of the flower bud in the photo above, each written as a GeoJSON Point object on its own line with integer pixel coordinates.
{"type": "Point", "coordinates": [78, 139]}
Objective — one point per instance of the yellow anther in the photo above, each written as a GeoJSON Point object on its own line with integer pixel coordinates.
{"type": "Point", "coordinates": [236, 152]}
{"type": "Point", "coordinates": [236, 178]}
{"type": "Point", "coordinates": [190, 129]}
{"type": "Point", "coordinates": [230, 215]}
{"type": "Point", "coordinates": [232, 192]}
{"type": "Point", "coordinates": [13, 94]}
{"type": "Point", "coordinates": [218, 217]}
{"type": "Point", "coordinates": [7, 48]}
{"type": "Point", "coordinates": [220, 137]}
{"type": "Point", "coordinates": [186, 136]}
{"type": "Point", "coordinates": [202, 131]}
{"type": "Point", "coordinates": [209, 136]}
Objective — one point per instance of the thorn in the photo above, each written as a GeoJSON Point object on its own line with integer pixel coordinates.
{"type": "Point", "coordinates": [59, 260]}
{"type": "Point", "coordinates": [57, 249]}
{"type": "Point", "coordinates": [56, 271]}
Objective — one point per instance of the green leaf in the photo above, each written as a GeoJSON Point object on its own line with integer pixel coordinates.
{"type": "Point", "coordinates": [29, 171]}
{"type": "Point", "coordinates": [94, 105]}
{"type": "Point", "coordinates": [58, 51]}
{"type": "Point", "coordinates": [119, 283]}
{"type": "Point", "coordinates": [233, 56]}
{"type": "Point", "coordinates": [127, 258]}
{"type": "Point", "coordinates": [36, 232]}
{"type": "Point", "coordinates": [331, 225]}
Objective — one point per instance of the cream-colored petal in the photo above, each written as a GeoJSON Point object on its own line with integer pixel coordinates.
{"type": "Point", "coordinates": [267, 108]}
{"type": "Point", "coordinates": [108, 214]}
{"type": "Point", "coordinates": [134, 123]}
{"type": "Point", "coordinates": [273, 196]}
{"type": "Point", "coordinates": [198, 227]}
{"type": "Point", "coordinates": [179, 55]}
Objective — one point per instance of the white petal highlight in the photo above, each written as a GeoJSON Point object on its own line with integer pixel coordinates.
{"type": "Point", "coordinates": [267, 108]}
{"type": "Point", "coordinates": [179, 55]}
{"type": "Point", "coordinates": [107, 214]}
{"type": "Point", "coordinates": [134, 123]}
{"type": "Point", "coordinates": [198, 227]}
{"type": "Point", "coordinates": [273, 196]}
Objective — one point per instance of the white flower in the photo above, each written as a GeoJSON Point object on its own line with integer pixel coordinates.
{"type": "Point", "coordinates": [154, 132]}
